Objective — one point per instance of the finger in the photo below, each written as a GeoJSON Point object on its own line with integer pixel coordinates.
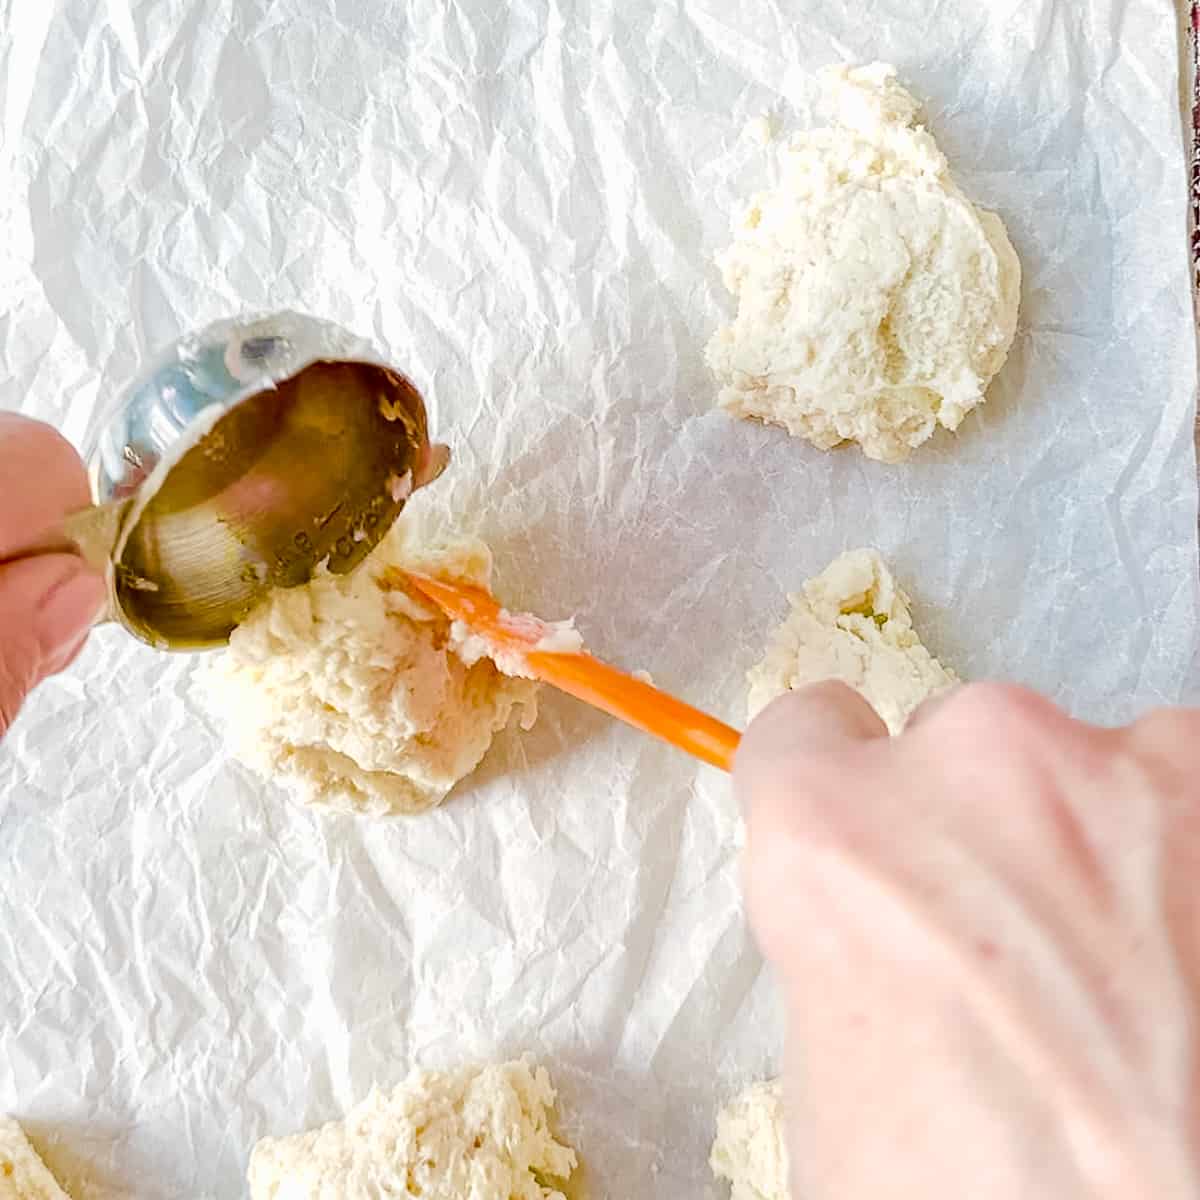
{"type": "Point", "coordinates": [44, 479]}
{"type": "Point", "coordinates": [803, 755]}
{"type": "Point", "coordinates": [812, 719]}
{"type": "Point", "coordinates": [1157, 739]}
{"type": "Point", "coordinates": [47, 605]}
{"type": "Point", "coordinates": [794, 747]}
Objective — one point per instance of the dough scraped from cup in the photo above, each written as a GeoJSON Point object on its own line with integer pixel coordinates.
{"type": "Point", "coordinates": [352, 692]}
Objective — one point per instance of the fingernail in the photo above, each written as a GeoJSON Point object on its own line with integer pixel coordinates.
{"type": "Point", "coordinates": [68, 610]}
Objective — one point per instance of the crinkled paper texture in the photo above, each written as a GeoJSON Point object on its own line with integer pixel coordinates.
{"type": "Point", "coordinates": [519, 204]}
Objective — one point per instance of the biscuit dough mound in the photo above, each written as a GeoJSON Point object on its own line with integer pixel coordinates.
{"type": "Point", "coordinates": [353, 694]}
{"type": "Point", "coordinates": [852, 622]}
{"type": "Point", "coordinates": [472, 1134]}
{"type": "Point", "coordinates": [23, 1175]}
{"type": "Point", "coordinates": [749, 1149]}
{"type": "Point", "coordinates": [875, 301]}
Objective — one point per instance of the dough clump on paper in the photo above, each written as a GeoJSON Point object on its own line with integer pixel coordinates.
{"type": "Point", "coordinates": [749, 1149]}
{"type": "Point", "coordinates": [875, 301]}
{"type": "Point", "coordinates": [23, 1175]}
{"type": "Point", "coordinates": [353, 693]}
{"type": "Point", "coordinates": [854, 623]}
{"type": "Point", "coordinates": [472, 1134]}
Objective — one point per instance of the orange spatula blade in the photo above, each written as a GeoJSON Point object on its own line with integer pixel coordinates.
{"type": "Point", "coordinates": [581, 675]}
{"type": "Point", "coordinates": [469, 603]}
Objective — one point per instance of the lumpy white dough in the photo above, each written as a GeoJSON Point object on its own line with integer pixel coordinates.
{"type": "Point", "coordinates": [351, 692]}
{"type": "Point", "coordinates": [749, 1149]}
{"type": "Point", "coordinates": [852, 622]}
{"type": "Point", "coordinates": [23, 1175]}
{"type": "Point", "coordinates": [472, 1134]}
{"type": "Point", "coordinates": [875, 301]}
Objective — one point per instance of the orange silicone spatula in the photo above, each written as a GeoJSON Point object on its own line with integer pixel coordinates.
{"type": "Point", "coordinates": [582, 676]}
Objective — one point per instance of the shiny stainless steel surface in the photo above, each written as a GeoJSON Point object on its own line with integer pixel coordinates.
{"type": "Point", "coordinates": [245, 457]}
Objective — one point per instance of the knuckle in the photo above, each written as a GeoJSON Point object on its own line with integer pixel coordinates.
{"type": "Point", "coordinates": [1172, 725]}
{"type": "Point", "coordinates": [1002, 729]}
{"type": "Point", "coordinates": [999, 706]}
{"type": "Point", "coordinates": [1166, 745]}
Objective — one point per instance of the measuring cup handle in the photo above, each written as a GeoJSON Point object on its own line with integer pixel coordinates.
{"type": "Point", "coordinates": [91, 532]}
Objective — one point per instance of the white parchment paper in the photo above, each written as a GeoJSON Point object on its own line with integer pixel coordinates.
{"type": "Point", "coordinates": [519, 204]}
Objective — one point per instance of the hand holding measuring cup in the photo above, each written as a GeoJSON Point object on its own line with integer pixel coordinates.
{"type": "Point", "coordinates": [243, 458]}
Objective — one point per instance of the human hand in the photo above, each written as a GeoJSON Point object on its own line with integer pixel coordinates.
{"type": "Point", "coordinates": [987, 932]}
{"type": "Point", "coordinates": [47, 602]}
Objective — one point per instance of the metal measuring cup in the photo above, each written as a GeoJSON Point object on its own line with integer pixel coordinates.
{"type": "Point", "coordinates": [244, 457]}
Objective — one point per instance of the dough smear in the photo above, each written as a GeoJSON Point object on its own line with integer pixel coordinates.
{"type": "Point", "coordinates": [353, 693]}
{"type": "Point", "coordinates": [875, 301]}
{"type": "Point", "coordinates": [852, 622]}
{"type": "Point", "coordinates": [472, 1134]}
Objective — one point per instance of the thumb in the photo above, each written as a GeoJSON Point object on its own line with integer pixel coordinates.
{"type": "Point", "coordinates": [816, 719]}
{"type": "Point", "coordinates": [803, 753]}
{"type": "Point", "coordinates": [47, 605]}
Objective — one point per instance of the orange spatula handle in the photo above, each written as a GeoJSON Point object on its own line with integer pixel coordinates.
{"type": "Point", "coordinates": [586, 678]}
{"type": "Point", "coordinates": [638, 704]}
